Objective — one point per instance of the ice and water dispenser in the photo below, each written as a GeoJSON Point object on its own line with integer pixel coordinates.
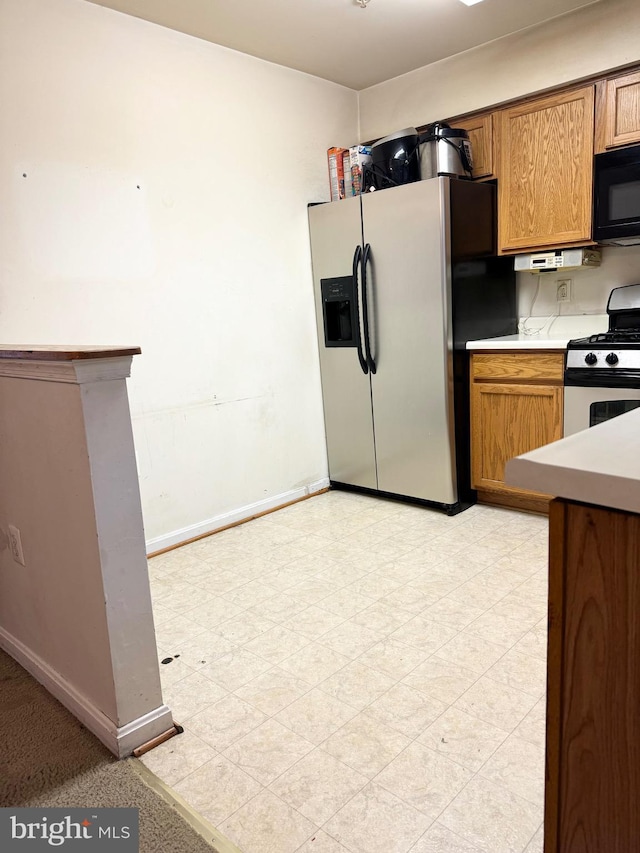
{"type": "Point", "coordinates": [340, 311]}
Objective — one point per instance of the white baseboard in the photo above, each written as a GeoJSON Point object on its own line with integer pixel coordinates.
{"type": "Point", "coordinates": [143, 729]}
{"type": "Point", "coordinates": [120, 740]}
{"type": "Point", "coordinates": [168, 540]}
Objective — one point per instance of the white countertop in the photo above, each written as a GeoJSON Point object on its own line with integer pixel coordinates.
{"type": "Point", "coordinates": [551, 333]}
{"type": "Point", "coordinates": [520, 342]}
{"type": "Point", "coordinates": [600, 465]}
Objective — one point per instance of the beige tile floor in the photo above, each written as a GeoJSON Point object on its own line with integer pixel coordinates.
{"type": "Point", "coordinates": [359, 676]}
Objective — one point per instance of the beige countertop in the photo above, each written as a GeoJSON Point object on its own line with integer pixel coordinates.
{"type": "Point", "coordinates": [600, 465]}
{"type": "Point", "coordinates": [545, 333]}
{"type": "Point", "coordinates": [54, 352]}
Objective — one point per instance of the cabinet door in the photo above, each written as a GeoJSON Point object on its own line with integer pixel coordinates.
{"type": "Point", "coordinates": [506, 421]}
{"type": "Point", "coordinates": [593, 731]}
{"type": "Point", "coordinates": [480, 130]}
{"type": "Point", "coordinates": [546, 172]}
{"type": "Point", "coordinates": [622, 111]}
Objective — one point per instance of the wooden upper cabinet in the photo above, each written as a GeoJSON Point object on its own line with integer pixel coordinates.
{"type": "Point", "coordinates": [546, 172]}
{"type": "Point", "coordinates": [618, 112]}
{"type": "Point", "coordinates": [480, 130]}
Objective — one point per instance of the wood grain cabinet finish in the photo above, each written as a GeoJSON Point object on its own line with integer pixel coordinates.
{"type": "Point", "coordinates": [618, 112]}
{"type": "Point", "coordinates": [480, 130]}
{"type": "Point", "coordinates": [521, 366]}
{"type": "Point", "coordinates": [546, 172]}
{"type": "Point", "coordinates": [516, 406]}
{"type": "Point", "coordinates": [592, 794]}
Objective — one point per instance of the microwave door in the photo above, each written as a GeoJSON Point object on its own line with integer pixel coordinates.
{"type": "Point", "coordinates": [617, 200]}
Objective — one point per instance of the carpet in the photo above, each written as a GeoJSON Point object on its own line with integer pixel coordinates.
{"type": "Point", "coordinates": [49, 759]}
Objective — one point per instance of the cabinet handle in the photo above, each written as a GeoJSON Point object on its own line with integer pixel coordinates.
{"type": "Point", "coordinates": [365, 310]}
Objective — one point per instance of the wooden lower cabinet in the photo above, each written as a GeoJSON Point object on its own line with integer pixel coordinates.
{"type": "Point", "coordinates": [511, 420]}
{"type": "Point", "coordinates": [516, 406]}
{"type": "Point", "coordinates": [592, 794]}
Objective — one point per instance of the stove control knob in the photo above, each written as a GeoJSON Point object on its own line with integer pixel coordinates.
{"type": "Point", "coordinates": [611, 358]}
{"type": "Point", "coordinates": [590, 358]}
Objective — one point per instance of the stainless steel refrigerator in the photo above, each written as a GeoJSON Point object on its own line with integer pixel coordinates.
{"type": "Point", "coordinates": [403, 277]}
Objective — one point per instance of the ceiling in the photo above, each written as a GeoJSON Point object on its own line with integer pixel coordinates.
{"type": "Point", "coordinates": [338, 40]}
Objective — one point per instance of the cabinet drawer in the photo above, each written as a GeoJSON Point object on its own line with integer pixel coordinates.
{"type": "Point", "coordinates": [521, 366]}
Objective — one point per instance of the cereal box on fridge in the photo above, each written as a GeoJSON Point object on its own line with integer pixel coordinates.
{"type": "Point", "coordinates": [335, 157]}
{"type": "Point", "coordinates": [360, 156]}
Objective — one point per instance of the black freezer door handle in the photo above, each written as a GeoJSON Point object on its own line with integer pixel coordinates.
{"type": "Point", "coordinates": [365, 310]}
{"type": "Point", "coordinates": [357, 256]}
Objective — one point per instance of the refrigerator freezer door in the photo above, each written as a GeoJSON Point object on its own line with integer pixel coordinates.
{"type": "Point", "coordinates": [408, 280]}
{"type": "Point", "coordinates": [336, 231]}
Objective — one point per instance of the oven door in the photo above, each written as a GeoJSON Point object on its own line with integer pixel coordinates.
{"type": "Point", "coordinates": [586, 407]}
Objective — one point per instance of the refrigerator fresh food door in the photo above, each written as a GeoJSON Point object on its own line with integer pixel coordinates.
{"type": "Point", "coordinates": [336, 237]}
{"type": "Point", "coordinates": [408, 297]}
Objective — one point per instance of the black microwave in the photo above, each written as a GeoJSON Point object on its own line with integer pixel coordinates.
{"type": "Point", "coordinates": [616, 209]}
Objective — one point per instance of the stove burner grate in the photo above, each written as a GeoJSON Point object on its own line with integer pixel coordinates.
{"type": "Point", "coordinates": [628, 336]}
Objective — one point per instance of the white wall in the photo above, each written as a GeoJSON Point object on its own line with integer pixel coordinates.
{"type": "Point", "coordinates": [590, 288]}
{"type": "Point", "coordinates": [41, 601]}
{"type": "Point", "coordinates": [206, 265]}
{"type": "Point", "coordinates": [77, 614]}
{"type": "Point", "coordinates": [589, 41]}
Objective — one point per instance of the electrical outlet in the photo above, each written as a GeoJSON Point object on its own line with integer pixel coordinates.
{"type": "Point", "coordinates": [563, 291]}
{"type": "Point", "coordinates": [16, 545]}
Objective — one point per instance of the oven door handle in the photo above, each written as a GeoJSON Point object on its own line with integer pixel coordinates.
{"type": "Point", "coordinates": [593, 377]}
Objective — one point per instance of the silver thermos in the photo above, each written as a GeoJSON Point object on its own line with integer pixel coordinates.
{"type": "Point", "coordinates": [445, 150]}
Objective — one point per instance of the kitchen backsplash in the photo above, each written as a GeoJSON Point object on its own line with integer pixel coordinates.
{"type": "Point", "coordinates": [590, 288]}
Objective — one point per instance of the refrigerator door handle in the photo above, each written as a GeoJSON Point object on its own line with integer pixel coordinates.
{"type": "Point", "coordinates": [365, 310]}
{"type": "Point", "coordinates": [357, 257]}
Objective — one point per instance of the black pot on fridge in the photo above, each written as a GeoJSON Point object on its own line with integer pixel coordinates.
{"type": "Point", "coordinates": [394, 160]}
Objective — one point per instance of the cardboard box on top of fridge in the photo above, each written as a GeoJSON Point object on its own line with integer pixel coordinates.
{"type": "Point", "coordinates": [346, 170]}
{"type": "Point", "coordinates": [335, 158]}
{"type": "Point", "coordinates": [348, 180]}
{"type": "Point", "coordinates": [360, 156]}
